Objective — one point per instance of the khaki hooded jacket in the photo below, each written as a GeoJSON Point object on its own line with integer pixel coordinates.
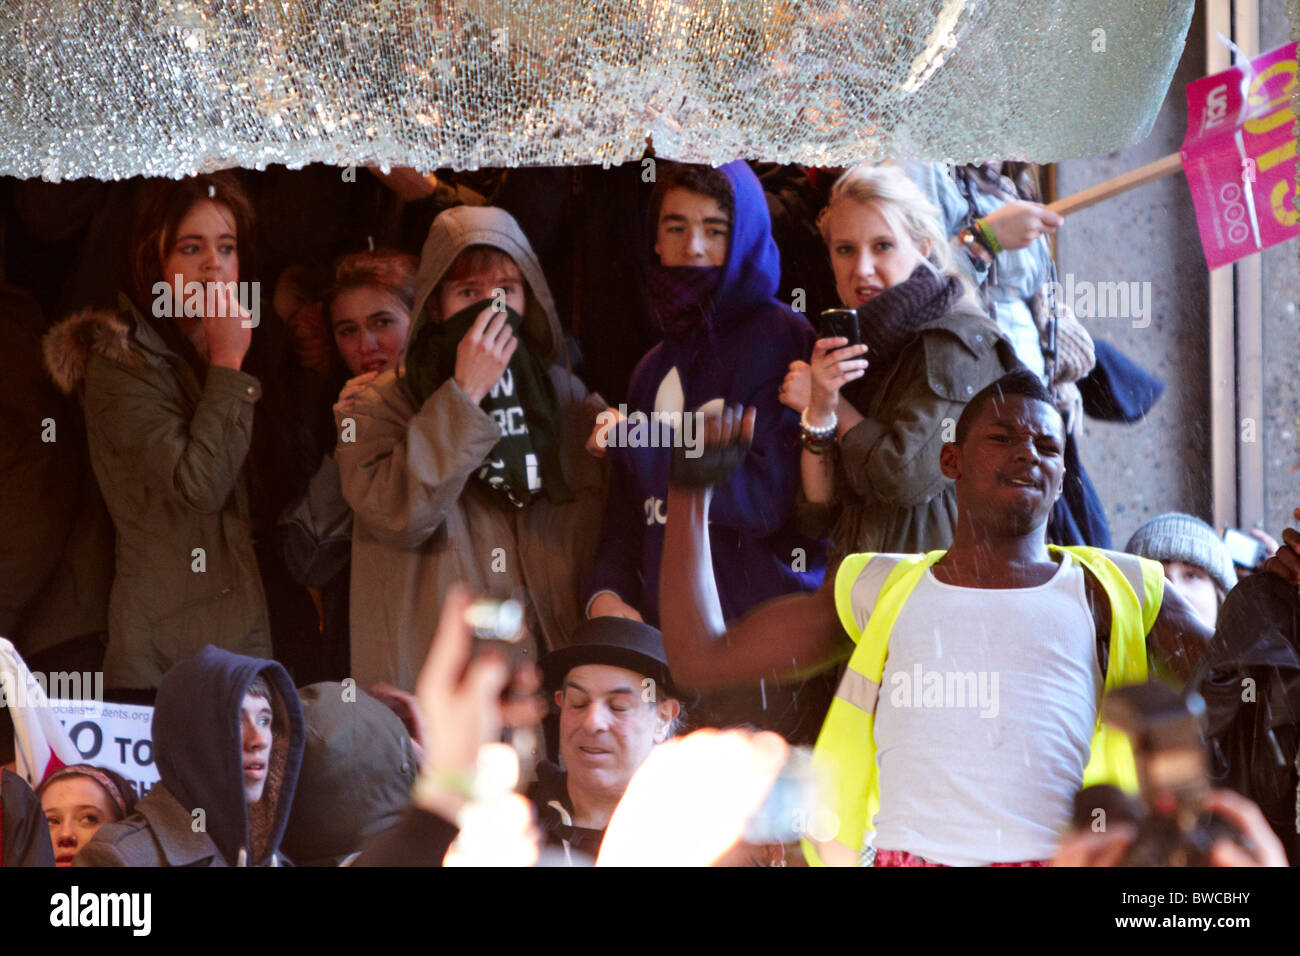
{"type": "Point", "coordinates": [422, 521]}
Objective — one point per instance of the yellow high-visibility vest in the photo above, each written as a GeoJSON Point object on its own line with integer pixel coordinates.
{"type": "Point", "coordinates": [846, 748]}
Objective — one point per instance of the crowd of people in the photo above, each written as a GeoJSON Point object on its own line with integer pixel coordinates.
{"type": "Point", "coordinates": [274, 518]}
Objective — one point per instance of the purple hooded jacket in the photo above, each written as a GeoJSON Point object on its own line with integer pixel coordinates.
{"type": "Point", "coordinates": [743, 358]}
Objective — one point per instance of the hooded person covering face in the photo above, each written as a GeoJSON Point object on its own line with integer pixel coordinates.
{"type": "Point", "coordinates": [727, 339]}
{"type": "Point", "coordinates": [199, 815]}
{"type": "Point", "coordinates": [525, 460]}
{"type": "Point", "coordinates": [497, 493]}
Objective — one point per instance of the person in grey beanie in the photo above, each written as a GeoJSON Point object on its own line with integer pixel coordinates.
{"type": "Point", "coordinates": [1195, 559]}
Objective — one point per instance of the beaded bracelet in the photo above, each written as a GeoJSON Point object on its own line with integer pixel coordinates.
{"type": "Point", "coordinates": [818, 446]}
{"type": "Point", "coordinates": [818, 431]}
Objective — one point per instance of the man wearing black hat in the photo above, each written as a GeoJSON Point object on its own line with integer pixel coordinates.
{"type": "Point", "coordinates": [617, 701]}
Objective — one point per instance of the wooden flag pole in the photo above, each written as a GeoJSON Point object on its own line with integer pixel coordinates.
{"type": "Point", "coordinates": [1120, 184]}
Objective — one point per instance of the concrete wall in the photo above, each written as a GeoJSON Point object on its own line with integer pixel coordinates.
{"type": "Point", "coordinates": [1281, 269]}
{"type": "Point", "coordinates": [1163, 463]}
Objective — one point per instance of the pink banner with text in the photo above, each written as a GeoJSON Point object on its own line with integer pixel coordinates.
{"type": "Point", "coordinates": [1239, 155]}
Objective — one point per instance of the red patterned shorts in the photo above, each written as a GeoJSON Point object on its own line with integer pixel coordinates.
{"type": "Point", "coordinates": [903, 858]}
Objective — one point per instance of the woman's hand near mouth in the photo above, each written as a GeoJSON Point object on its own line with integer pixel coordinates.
{"type": "Point", "coordinates": [348, 394]}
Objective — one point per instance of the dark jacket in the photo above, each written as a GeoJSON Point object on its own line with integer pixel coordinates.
{"type": "Point", "coordinates": [197, 815]}
{"type": "Point", "coordinates": [550, 797]}
{"type": "Point", "coordinates": [420, 838]}
{"type": "Point", "coordinates": [56, 552]}
{"type": "Point", "coordinates": [24, 834]}
{"type": "Point", "coordinates": [1254, 736]}
{"type": "Point", "coordinates": [1118, 389]}
{"type": "Point", "coordinates": [315, 541]}
{"type": "Point", "coordinates": [742, 358]}
{"type": "Point", "coordinates": [169, 452]}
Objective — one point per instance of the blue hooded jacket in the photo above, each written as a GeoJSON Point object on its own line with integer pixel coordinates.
{"type": "Point", "coordinates": [742, 358]}
{"type": "Point", "coordinates": [199, 750]}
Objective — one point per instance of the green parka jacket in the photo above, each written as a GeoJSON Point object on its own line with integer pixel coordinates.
{"type": "Point", "coordinates": [168, 451]}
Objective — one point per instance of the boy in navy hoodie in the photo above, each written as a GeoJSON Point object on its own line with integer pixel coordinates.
{"type": "Point", "coordinates": [712, 281]}
{"type": "Point", "coordinates": [228, 739]}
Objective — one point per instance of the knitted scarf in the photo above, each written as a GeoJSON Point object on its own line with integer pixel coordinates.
{"type": "Point", "coordinates": [681, 298]}
{"type": "Point", "coordinates": [526, 460]}
{"type": "Point", "coordinates": [890, 320]}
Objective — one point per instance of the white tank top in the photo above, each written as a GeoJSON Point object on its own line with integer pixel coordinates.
{"type": "Point", "coordinates": [985, 718]}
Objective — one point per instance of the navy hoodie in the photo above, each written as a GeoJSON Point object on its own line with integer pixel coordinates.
{"type": "Point", "coordinates": [199, 747]}
{"type": "Point", "coordinates": [754, 337]}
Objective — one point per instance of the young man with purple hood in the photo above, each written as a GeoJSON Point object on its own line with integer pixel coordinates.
{"type": "Point", "coordinates": [727, 338]}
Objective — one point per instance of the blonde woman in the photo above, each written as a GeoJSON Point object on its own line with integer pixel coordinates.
{"type": "Point", "coordinates": [875, 415]}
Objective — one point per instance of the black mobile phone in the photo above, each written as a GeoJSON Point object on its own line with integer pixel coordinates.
{"type": "Point", "coordinates": [839, 322]}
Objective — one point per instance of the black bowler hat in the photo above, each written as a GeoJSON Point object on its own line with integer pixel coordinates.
{"type": "Point", "coordinates": [617, 642]}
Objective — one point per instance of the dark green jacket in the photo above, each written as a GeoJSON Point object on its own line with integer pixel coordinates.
{"type": "Point", "coordinates": [890, 495]}
{"type": "Point", "coordinates": [168, 451]}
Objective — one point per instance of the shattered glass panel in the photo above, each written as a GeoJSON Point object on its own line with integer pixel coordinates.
{"type": "Point", "coordinates": [115, 88]}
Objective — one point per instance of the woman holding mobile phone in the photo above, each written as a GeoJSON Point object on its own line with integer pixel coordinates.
{"type": "Point", "coordinates": [874, 415]}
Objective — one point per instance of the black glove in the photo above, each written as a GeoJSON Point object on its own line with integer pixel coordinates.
{"type": "Point", "coordinates": [716, 460]}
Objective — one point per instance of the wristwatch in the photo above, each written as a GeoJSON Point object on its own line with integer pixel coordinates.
{"type": "Point", "coordinates": [975, 248]}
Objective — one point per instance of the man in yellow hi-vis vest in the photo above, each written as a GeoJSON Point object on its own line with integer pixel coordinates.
{"type": "Point", "coordinates": [967, 718]}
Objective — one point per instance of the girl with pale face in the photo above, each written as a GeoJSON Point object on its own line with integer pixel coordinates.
{"type": "Point", "coordinates": [206, 247]}
{"type": "Point", "coordinates": [1196, 585]}
{"type": "Point", "coordinates": [370, 326]}
{"type": "Point", "coordinates": [205, 250]}
{"type": "Point", "coordinates": [868, 254]}
{"type": "Point", "coordinates": [76, 805]}
{"type": "Point", "coordinates": [368, 314]}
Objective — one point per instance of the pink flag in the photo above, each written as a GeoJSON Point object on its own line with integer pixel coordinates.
{"type": "Point", "coordinates": [1239, 155]}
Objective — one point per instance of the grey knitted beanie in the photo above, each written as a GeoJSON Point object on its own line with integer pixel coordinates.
{"type": "Point", "coordinates": [1181, 537]}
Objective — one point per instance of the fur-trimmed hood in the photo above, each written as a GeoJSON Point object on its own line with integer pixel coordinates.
{"type": "Point", "coordinates": [69, 344]}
